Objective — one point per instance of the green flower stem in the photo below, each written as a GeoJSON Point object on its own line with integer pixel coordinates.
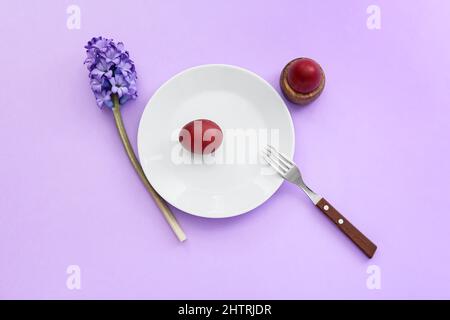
{"type": "Point", "coordinates": [162, 205]}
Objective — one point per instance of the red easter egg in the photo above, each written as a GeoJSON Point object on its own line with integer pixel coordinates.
{"type": "Point", "coordinates": [304, 75]}
{"type": "Point", "coordinates": [201, 136]}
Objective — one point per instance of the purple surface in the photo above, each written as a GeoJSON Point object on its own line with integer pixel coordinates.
{"type": "Point", "coordinates": [376, 144]}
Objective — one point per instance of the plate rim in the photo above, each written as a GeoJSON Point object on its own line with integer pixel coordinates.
{"type": "Point", "coordinates": [241, 69]}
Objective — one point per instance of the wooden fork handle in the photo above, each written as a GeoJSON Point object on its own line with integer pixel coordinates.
{"type": "Point", "coordinates": [361, 241]}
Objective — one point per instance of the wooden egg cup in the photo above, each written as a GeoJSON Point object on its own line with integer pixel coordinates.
{"type": "Point", "coordinates": [297, 97]}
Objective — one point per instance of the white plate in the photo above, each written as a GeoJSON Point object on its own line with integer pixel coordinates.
{"type": "Point", "coordinates": [234, 98]}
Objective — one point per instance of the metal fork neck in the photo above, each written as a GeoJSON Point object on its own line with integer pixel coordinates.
{"type": "Point", "coordinates": [315, 198]}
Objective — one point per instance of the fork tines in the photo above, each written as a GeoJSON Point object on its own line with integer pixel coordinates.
{"type": "Point", "coordinates": [277, 160]}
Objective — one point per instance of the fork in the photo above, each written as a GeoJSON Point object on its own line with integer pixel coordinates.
{"type": "Point", "coordinates": [290, 172]}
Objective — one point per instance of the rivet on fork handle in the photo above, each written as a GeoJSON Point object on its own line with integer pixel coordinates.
{"type": "Point", "coordinates": [363, 243]}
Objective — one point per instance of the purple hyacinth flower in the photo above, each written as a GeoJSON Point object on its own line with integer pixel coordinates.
{"type": "Point", "coordinates": [91, 59]}
{"type": "Point", "coordinates": [119, 85]}
{"type": "Point", "coordinates": [100, 43]}
{"type": "Point", "coordinates": [113, 81]}
{"type": "Point", "coordinates": [102, 68]}
{"type": "Point", "coordinates": [121, 47]}
{"type": "Point", "coordinates": [103, 98]}
{"type": "Point", "coordinates": [112, 55]}
{"type": "Point", "coordinates": [125, 66]}
{"type": "Point", "coordinates": [111, 71]}
{"type": "Point", "coordinates": [96, 84]}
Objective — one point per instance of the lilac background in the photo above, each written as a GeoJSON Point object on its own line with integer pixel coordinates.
{"type": "Point", "coordinates": [376, 144]}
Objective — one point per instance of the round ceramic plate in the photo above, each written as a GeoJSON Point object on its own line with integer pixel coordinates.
{"type": "Point", "coordinates": [235, 179]}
